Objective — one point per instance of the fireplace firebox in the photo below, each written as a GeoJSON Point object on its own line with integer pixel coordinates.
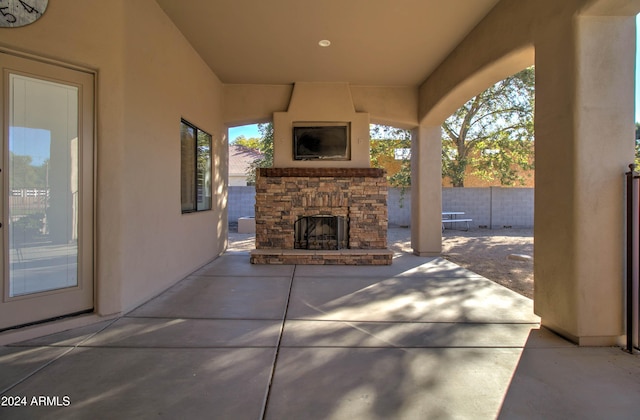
{"type": "Point", "coordinates": [321, 232]}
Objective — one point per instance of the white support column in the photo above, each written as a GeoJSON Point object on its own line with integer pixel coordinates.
{"type": "Point", "coordinates": [584, 142]}
{"type": "Point", "coordinates": [426, 191]}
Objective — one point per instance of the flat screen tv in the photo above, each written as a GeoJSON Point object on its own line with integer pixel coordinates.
{"type": "Point", "coordinates": [321, 141]}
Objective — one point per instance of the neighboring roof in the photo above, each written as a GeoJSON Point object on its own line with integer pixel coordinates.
{"type": "Point", "coordinates": [240, 157]}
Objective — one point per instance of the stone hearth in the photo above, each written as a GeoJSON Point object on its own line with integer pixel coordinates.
{"type": "Point", "coordinates": [283, 195]}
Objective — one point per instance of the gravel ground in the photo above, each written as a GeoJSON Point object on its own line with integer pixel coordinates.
{"type": "Point", "coordinates": [483, 251]}
{"type": "Point", "coordinates": [487, 252]}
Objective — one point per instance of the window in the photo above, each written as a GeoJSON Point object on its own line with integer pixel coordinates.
{"type": "Point", "coordinates": [195, 168]}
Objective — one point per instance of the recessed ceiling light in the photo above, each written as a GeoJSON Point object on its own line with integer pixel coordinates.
{"type": "Point", "coordinates": [324, 43]}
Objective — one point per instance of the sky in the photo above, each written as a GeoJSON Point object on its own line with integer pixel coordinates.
{"type": "Point", "coordinates": [250, 131]}
{"type": "Point", "coordinates": [30, 142]}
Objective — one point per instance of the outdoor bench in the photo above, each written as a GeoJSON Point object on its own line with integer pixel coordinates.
{"type": "Point", "coordinates": [465, 221]}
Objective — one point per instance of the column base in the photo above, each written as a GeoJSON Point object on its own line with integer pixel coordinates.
{"type": "Point", "coordinates": [587, 341]}
{"type": "Point", "coordinates": [427, 254]}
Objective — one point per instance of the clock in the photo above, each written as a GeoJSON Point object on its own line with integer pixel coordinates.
{"type": "Point", "coordinates": [14, 13]}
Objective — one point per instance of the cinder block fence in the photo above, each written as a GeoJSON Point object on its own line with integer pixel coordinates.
{"type": "Point", "coordinates": [493, 207]}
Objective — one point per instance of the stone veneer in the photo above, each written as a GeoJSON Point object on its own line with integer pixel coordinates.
{"type": "Point", "coordinates": [285, 194]}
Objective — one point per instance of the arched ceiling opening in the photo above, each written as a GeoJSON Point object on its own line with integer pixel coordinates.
{"type": "Point", "coordinates": [478, 82]}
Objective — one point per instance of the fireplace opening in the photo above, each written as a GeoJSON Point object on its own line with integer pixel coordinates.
{"type": "Point", "coordinates": [321, 232]}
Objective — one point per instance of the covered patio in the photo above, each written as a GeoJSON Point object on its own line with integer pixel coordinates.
{"type": "Point", "coordinates": [422, 338]}
{"type": "Point", "coordinates": [161, 319]}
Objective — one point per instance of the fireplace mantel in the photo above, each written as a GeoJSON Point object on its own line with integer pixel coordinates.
{"type": "Point", "coordinates": [322, 172]}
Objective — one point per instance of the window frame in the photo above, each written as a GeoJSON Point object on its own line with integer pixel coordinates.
{"type": "Point", "coordinates": [193, 175]}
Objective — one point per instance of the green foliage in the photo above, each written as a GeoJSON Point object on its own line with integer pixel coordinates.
{"type": "Point", "coordinates": [387, 145]}
{"type": "Point", "coordinates": [24, 174]}
{"type": "Point", "coordinates": [264, 146]}
{"type": "Point", "coordinates": [203, 156]}
{"type": "Point", "coordinates": [390, 149]}
{"type": "Point", "coordinates": [266, 143]}
{"type": "Point", "coordinates": [502, 158]}
{"type": "Point", "coordinates": [492, 133]}
{"type": "Point", "coordinates": [251, 143]}
{"type": "Point", "coordinates": [384, 151]}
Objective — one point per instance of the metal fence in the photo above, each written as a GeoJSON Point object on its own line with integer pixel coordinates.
{"type": "Point", "coordinates": [633, 259]}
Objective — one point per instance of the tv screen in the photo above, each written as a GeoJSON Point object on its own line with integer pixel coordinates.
{"type": "Point", "coordinates": [329, 142]}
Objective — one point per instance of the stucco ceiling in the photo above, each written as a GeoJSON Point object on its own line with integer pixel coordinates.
{"type": "Point", "coordinates": [373, 42]}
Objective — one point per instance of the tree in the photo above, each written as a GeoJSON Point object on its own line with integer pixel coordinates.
{"type": "Point", "coordinates": [25, 174]}
{"type": "Point", "coordinates": [251, 143]}
{"type": "Point", "coordinates": [390, 149]}
{"type": "Point", "coordinates": [265, 146]}
{"type": "Point", "coordinates": [492, 133]}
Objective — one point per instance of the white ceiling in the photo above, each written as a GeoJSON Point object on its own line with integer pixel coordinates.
{"type": "Point", "coordinates": [373, 42]}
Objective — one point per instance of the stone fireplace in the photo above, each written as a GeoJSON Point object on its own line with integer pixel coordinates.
{"type": "Point", "coordinates": [321, 203]}
{"type": "Point", "coordinates": [356, 196]}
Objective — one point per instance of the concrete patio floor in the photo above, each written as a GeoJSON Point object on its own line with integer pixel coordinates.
{"type": "Point", "coordinates": [420, 339]}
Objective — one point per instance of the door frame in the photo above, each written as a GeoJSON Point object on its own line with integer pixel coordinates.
{"type": "Point", "coordinates": [54, 70]}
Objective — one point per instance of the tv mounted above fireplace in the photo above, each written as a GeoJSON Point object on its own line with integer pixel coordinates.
{"type": "Point", "coordinates": [327, 141]}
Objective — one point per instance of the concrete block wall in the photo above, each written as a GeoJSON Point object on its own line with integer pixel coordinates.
{"type": "Point", "coordinates": [493, 207]}
{"type": "Point", "coordinates": [474, 202]}
{"type": "Point", "coordinates": [242, 201]}
{"type": "Point", "coordinates": [399, 207]}
{"type": "Point", "coordinates": [512, 207]}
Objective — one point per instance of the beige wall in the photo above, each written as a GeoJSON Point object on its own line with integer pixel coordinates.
{"type": "Point", "coordinates": [148, 77]}
{"type": "Point", "coordinates": [499, 46]}
{"type": "Point", "coordinates": [251, 104]}
{"type": "Point", "coordinates": [145, 84]}
{"type": "Point", "coordinates": [165, 80]}
{"type": "Point", "coordinates": [584, 139]}
{"type": "Point", "coordinates": [585, 132]}
{"type": "Point", "coordinates": [320, 102]}
{"type": "Point", "coordinates": [396, 106]}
